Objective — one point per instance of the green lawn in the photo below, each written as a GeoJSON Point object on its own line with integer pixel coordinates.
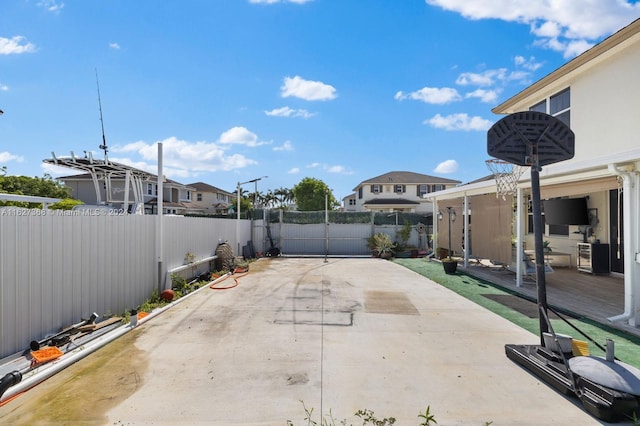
{"type": "Point", "coordinates": [626, 345]}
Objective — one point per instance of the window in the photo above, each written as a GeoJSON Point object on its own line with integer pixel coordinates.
{"type": "Point", "coordinates": [398, 189]}
{"type": "Point", "coordinates": [352, 202]}
{"type": "Point", "coordinates": [188, 195]}
{"type": "Point", "coordinates": [152, 189]}
{"type": "Point", "coordinates": [540, 107]}
{"type": "Point", "coordinates": [558, 105]}
{"type": "Point", "coordinates": [199, 196]}
{"type": "Point", "coordinates": [360, 193]}
{"type": "Point", "coordinates": [376, 188]}
{"type": "Point", "coordinates": [422, 190]}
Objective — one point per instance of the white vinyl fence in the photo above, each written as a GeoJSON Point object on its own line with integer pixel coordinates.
{"type": "Point", "coordinates": [56, 269]}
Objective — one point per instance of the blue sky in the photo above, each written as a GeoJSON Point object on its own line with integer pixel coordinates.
{"type": "Point", "coordinates": [338, 90]}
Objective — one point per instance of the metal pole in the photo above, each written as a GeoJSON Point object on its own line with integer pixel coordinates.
{"type": "Point", "coordinates": [539, 252]}
{"type": "Point", "coordinates": [449, 212]}
{"type": "Point", "coordinates": [238, 222]}
{"type": "Point", "coordinates": [159, 223]}
{"type": "Point", "coordinates": [326, 225]}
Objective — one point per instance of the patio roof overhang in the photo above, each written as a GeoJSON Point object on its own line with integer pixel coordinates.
{"type": "Point", "coordinates": [553, 174]}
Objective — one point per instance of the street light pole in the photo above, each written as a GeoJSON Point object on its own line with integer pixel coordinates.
{"type": "Point", "coordinates": [452, 218]}
{"type": "Point", "coordinates": [238, 204]}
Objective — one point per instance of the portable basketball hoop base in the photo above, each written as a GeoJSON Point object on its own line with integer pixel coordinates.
{"type": "Point", "coordinates": [534, 139]}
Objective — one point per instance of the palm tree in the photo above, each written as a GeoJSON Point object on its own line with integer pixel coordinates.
{"type": "Point", "coordinates": [270, 199]}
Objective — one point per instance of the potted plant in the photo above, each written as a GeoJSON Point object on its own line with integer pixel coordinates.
{"type": "Point", "coordinates": [546, 246]}
{"type": "Point", "coordinates": [450, 265]}
{"type": "Point", "coordinates": [404, 249]}
{"type": "Point", "coordinates": [381, 245]}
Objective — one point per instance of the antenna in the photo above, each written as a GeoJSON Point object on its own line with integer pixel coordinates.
{"type": "Point", "coordinates": [104, 139]}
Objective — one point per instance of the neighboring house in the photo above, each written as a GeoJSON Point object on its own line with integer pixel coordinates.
{"type": "Point", "coordinates": [177, 199]}
{"type": "Point", "coordinates": [214, 200]}
{"type": "Point", "coordinates": [349, 203]}
{"type": "Point", "coordinates": [397, 192]}
{"type": "Point", "coordinates": [596, 94]}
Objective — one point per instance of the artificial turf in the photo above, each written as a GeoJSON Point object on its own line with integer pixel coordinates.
{"type": "Point", "coordinates": [627, 346]}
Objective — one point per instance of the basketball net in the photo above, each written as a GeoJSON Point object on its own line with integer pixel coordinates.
{"type": "Point", "coordinates": [506, 176]}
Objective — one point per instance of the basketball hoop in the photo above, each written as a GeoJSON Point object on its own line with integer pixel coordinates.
{"type": "Point", "coordinates": [506, 175]}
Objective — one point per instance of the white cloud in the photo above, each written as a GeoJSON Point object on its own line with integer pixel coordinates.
{"type": "Point", "coordinates": [338, 169]}
{"type": "Point", "coordinates": [15, 45]}
{"type": "Point", "coordinates": [286, 146]}
{"type": "Point", "coordinates": [528, 64]}
{"type": "Point", "coordinates": [289, 112]}
{"type": "Point", "coordinates": [114, 46]}
{"type": "Point", "coordinates": [6, 157]}
{"type": "Point", "coordinates": [279, 1]}
{"type": "Point", "coordinates": [51, 5]}
{"type": "Point", "coordinates": [54, 170]}
{"type": "Point", "coordinates": [181, 158]}
{"type": "Point", "coordinates": [568, 49]}
{"type": "Point", "coordinates": [294, 171]}
{"type": "Point", "coordinates": [485, 78]}
{"type": "Point", "coordinates": [240, 136]}
{"type": "Point", "coordinates": [547, 29]}
{"type": "Point", "coordinates": [575, 23]}
{"type": "Point", "coordinates": [330, 169]}
{"type": "Point", "coordinates": [459, 121]}
{"type": "Point", "coordinates": [500, 75]}
{"type": "Point", "coordinates": [431, 95]}
{"type": "Point", "coordinates": [307, 89]}
{"type": "Point", "coordinates": [487, 96]}
{"type": "Point", "coordinates": [447, 166]}
{"type": "Point", "coordinates": [4, 87]}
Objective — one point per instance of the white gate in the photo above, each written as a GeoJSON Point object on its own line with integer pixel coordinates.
{"type": "Point", "coordinates": [333, 239]}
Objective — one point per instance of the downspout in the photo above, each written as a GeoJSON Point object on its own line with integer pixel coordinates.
{"type": "Point", "coordinates": [630, 237]}
{"type": "Point", "coordinates": [434, 222]}
{"type": "Point", "coordinates": [465, 218]}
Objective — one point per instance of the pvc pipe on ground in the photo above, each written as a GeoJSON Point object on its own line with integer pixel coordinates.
{"type": "Point", "coordinates": [43, 372]}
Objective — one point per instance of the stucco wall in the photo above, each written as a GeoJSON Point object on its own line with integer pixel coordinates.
{"type": "Point", "coordinates": [604, 106]}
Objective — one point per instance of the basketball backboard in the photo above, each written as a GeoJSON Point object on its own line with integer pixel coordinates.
{"type": "Point", "coordinates": [530, 138]}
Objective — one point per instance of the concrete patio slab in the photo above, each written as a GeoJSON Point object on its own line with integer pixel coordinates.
{"type": "Point", "coordinates": [341, 335]}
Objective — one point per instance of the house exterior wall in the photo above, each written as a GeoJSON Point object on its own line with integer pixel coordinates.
{"type": "Point", "coordinates": [604, 106]}
{"type": "Point", "coordinates": [603, 115]}
{"type": "Point", "coordinates": [388, 192]}
{"type": "Point", "coordinates": [209, 200]}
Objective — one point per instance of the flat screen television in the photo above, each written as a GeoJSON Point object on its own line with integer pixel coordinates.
{"type": "Point", "coordinates": [566, 211]}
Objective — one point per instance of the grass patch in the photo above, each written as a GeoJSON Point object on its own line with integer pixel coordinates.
{"type": "Point", "coordinates": [475, 289]}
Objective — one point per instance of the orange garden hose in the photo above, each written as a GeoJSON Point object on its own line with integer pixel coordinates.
{"type": "Point", "coordinates": [241, 271]}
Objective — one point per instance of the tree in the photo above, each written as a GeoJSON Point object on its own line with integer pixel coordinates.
{"type": "Point", "coordinates": [310, 195]}
{"type": "Point", "coordinates": [284, 196]}
{"type": "Point", "coordinates": [41, 187]}
{"type": "Point", "coordinates": [34, 186]}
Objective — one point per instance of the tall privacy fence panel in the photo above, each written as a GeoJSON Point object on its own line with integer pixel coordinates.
{"type": "Point", "coordinates": [56, 269]}
{"type": "Point", "coordinates": [336, 233]}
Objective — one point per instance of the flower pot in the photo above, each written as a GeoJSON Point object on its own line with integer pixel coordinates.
{"type": "Point", "coordinates": [450, 266]}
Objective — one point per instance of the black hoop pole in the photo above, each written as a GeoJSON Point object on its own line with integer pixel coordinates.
{"type": "Point", "coordinates": [539, 251]}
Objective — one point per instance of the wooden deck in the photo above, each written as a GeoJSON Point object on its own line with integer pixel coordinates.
{"type": "Point", "coordinates": [596, 297]}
